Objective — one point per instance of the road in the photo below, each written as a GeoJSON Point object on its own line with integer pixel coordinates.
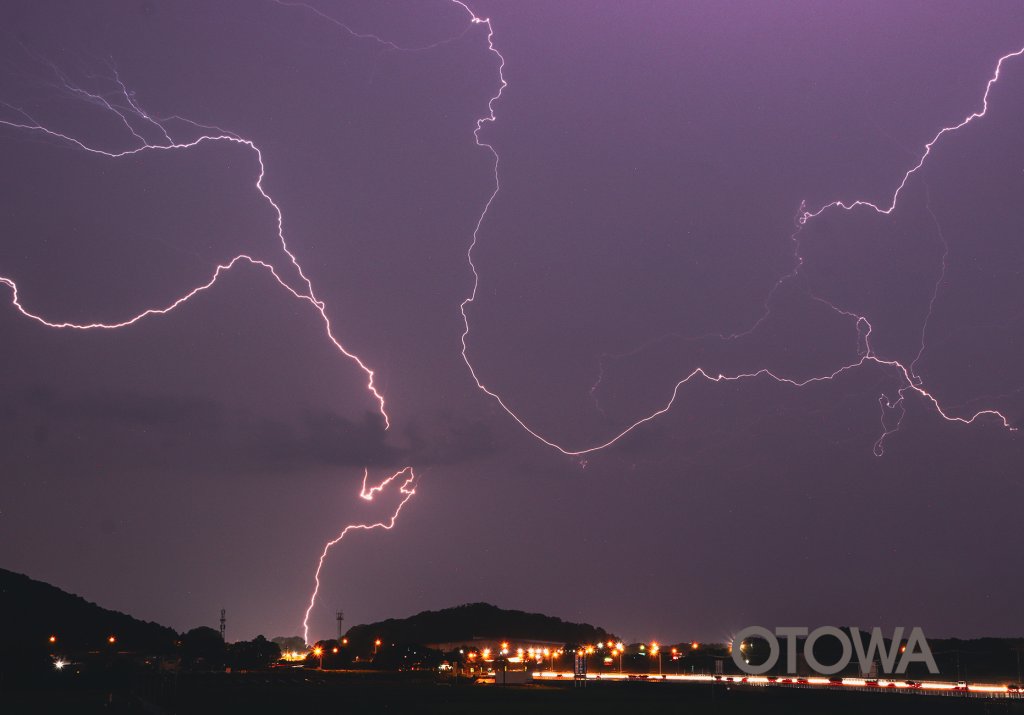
{"type": "Point", "coordinates": [883, 685]}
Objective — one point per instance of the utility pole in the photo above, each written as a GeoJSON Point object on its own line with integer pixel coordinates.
{"type": "Point", "coordinates": [223, 625]}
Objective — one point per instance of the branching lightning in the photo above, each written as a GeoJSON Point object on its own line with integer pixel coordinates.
{"type": "Point", "coordinates": [910, 381]}
{"type": "Point", "coordinates": [406, 489]}
{"type": "Point", "coordinates": [127, 112]}
{"type": "Point", "coordinates": [138, 123]}
{"type": "Point", "coordinates": [305, 294]}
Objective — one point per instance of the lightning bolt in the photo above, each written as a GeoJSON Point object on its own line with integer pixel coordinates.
{"type": "Point", "coordinates": [130, 114]}
{"type": "Point", "coordinates": [911, 383]}
{"type": "Point", "coordinates": [847, 206]}
{"type": "Point", "coordinates": [138, 123]}
{"type": "Point", "coordinates": [305, 293]}
{"type": "Point", "coordinates": [406, 489]}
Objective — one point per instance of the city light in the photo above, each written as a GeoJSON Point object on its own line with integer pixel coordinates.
{"type": "Point", "coordinates": [111, 640]}
{"type": "Point", "coordinates": [53, 639]}
{"type": "Point", "coordinates": [59, 664]}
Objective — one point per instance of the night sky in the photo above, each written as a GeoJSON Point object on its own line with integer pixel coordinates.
{"type": "Point", "coordinates": [654, 157]}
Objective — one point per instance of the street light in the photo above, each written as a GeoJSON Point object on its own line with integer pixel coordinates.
{"type": "Point", "coordinates": [319, 652]}
{"type": "Point", "coordinates": [376, 645]}
{"type": "Point", "coordinates": [656, 652]}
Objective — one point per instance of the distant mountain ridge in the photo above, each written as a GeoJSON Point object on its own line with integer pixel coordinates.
{"type": "Point", "coordinates": [34, 611]}
{"type": "Point", "coordinates": [476, 620]}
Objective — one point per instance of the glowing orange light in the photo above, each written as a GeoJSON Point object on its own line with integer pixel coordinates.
{"type": "Point", "coordinates": [111, 640]}
{"type": "Point", "coordinates": [344, 641]}
{"type": "Point", "coordinates": [377, 642]}
{"type": "Point", "coordinates": [318, 651]}
{"type": "Point", "coordinates": [334, 649]}
{"type": "Point", "coordinates": [695, 645]}
{"type": "Point", "coordinates": [53, 639]}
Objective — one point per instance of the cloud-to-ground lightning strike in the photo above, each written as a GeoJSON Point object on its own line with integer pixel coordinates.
{"type": "Point", "coordinates": [406, 489]}
{"type": "Point", "coordinates": [138, 124]}
{"type": "Point", "coordinates": [911, 382]}
{"type": "Point", "coordinates": [134, 111]}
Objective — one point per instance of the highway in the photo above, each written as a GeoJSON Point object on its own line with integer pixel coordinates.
{"type": "Point", "coordinates": [881, 685]}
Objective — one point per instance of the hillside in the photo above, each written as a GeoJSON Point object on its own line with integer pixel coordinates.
{"type": "Point", "coordinates": [476, 620]}
{"type": "Point", "coordinates": [34, 611]}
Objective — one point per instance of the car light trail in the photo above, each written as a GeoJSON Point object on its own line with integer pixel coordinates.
{"type": "Point", "coordinates": [881, 685]}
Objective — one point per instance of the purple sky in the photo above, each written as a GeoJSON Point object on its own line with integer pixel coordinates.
{"type": "Point", "coordinates": [654, 156]}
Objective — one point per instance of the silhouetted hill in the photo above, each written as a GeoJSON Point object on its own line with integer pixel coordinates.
{"type": "Point", "coordinates": [476, 620]}
{"type": "Point", "coordinates": [32, 611]}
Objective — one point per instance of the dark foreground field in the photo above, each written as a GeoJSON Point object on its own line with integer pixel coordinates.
{"type": "Point", "coordinates": [303, 691]}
